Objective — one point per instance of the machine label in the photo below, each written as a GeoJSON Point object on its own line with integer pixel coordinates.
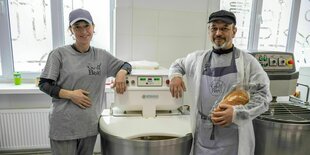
{"type": "Point", "coordinates": [144, 96]}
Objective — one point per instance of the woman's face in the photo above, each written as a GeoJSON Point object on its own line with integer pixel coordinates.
{"type": "Point", "coordinates": [221, 34]}
{"type": "Point", "coordinates": [83, 32]}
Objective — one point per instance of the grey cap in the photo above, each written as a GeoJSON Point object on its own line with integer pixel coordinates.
{"type": "Point", "coordinates": [80, 14]}
{"type": "Point", "coordinates": [223, 15]}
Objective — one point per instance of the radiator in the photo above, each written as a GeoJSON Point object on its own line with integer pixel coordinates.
{"type": "Point", "coordinates": [24, 129]}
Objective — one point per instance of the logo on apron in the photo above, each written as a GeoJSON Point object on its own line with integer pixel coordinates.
{"type": "Point", "coordinates": [216, 87]}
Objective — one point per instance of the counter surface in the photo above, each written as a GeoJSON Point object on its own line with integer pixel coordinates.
{"type": "Point", "coordinates": [27, 88]}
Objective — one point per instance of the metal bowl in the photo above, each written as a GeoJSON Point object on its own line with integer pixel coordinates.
{"type": "Point", "coordinates": [146, 145]}
{"type": "Point", "coordinates": [283, 130]}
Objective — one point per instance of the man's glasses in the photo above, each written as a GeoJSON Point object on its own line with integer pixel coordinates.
{"type": "Point", "coordinates": [222, 29]}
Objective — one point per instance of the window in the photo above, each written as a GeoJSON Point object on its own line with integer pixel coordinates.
{"type": "Point", "coordinates": [101, 17]}
{"type": "Point", "coordinates": [31, 33]}
{"type": "Point", "coordinates": [242, 10]}
{"type": "Point", "coordinates": [302, 43]}
{"type": "Point", "coordinates": [31, 29]}
{"type": "Point", "coordinates": [275, 23]}
{"type": "Point", "coordinates": [270, 25]}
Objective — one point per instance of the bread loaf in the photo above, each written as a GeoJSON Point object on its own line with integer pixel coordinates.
{"type": "Point", "coordinates": [236, 97]}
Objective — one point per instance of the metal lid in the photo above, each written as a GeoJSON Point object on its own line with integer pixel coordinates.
{"type": "Point", "coordinates": [287, 113]}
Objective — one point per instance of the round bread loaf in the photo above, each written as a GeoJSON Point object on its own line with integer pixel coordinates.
{"type": "Point", "coordinates": [236, 97]}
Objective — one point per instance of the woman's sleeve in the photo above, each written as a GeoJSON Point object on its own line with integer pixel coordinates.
{"type": "Point", "coordinates": [114, 65]}
{"type": "Point", "coordinates": [49, 87]}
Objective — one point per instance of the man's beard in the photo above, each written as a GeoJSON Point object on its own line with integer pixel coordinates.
{"type": "Point", "coordinates": [223, 46]}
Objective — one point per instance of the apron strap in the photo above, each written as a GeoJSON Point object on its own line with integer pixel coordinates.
{"type": "Point", "coordinates": [205, 117]}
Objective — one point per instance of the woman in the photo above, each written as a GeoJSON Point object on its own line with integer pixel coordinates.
{"type": "Point", "coordinates": [75, 77]}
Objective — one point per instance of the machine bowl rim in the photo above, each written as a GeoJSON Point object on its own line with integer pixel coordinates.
{"type": "Point", "coordinates": [282, 120]}
{"type": "Point", "coordinates": [116, 139]}
{"type": "Point", "coordinates": [282, 125]}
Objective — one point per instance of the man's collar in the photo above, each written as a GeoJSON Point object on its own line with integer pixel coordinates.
{"type": "Point", "coordinates": [223, 51]}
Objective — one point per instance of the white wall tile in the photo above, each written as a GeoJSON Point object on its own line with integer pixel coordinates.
{"type": "Point", "coordinates": [123, 3]}
{"type": "Point", "coordinates": [123, 21]}
{"type": "Point", "coordinates": [145, 48]}
{"type": "Point", "coordinates": [185, 5]}
{"type": "Point", "coordinates": [181, 23]}
{"type": "Point", "coordinates": [171, 48]}
{"type": "Point", "coordinates": [123, 47]}
{"type": "Point", "coordinates": [160, 30]}
{"type": "Point", "coordinates": [145, 22]}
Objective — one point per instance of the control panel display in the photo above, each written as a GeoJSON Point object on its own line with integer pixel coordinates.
{"type": "Point", "coordinates": [275, 61]}
{"type": "Point", "coordinates": [150, 81]}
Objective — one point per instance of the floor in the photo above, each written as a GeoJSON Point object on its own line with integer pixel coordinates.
{"type": "Point", "coordinates": [36, 152]}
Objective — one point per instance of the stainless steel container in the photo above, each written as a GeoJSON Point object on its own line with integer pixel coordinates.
{"type": "Point", "coordinates": [283, 130]}
{"type": "Point", "coordinates": [147, 145]}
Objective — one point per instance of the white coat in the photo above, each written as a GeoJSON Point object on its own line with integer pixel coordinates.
{"type": "Point", "coordinates": [249, 72]}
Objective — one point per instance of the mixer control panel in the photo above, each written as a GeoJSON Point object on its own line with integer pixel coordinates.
{"type": "Point", "coordinates": [146, 81]}
{"type": "Point", "coordinates": [275, 61]}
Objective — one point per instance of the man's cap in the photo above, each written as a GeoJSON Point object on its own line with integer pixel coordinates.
{"type": "Point", "coordinates": [223, 15]}
{"type": "Point", "coordinates": [80, 14]}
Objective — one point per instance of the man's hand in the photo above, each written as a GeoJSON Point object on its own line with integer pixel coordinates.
{"type": "Point", "coordinates": [80, 98]}
{"type": "Point", "coordinates": [177, 87]}
{"type": "Point", "coordinates": [120, 81]}
{"type": "Point", "coordinates": [224, 116]}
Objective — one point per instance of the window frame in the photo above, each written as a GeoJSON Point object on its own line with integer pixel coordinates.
{"type": "Point", "coordinates": [5, 42]}
{"type": "Point", "coordinates": [256, 18]}
{"type": "Point", "coordinates": [58, 37]}
{"type": "Point", "coordinates": [293, 25]}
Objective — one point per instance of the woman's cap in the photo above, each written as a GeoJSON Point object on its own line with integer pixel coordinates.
{"type": "Point", "coordinates": [223, 15]}
{"type": "Point", "coordinates": [80, 14]}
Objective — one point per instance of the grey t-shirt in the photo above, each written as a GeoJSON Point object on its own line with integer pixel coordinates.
{"type": "Point", "coordinates": [73, 70]}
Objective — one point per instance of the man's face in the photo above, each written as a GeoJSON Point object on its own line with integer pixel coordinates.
{"type": "Point", "coordinates": [221, 34]}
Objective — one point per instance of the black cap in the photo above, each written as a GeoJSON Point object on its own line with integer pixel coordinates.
{"type": "Point", "coordinates": [223, 15]}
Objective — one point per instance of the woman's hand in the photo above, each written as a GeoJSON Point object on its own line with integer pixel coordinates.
{"type": "Point", "coordinates": [78, 97]}
{"type": "Point", "coordinates": [120, 81]}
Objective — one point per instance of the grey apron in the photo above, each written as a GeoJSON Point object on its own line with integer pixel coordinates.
{"type": "Point", "coordinates": [215, 83]}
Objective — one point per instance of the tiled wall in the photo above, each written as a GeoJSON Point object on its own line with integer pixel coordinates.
{"type": "Point", "coordinates": [160, 30]}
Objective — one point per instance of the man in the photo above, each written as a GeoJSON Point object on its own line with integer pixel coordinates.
{"type": "Point", "coordinates": [210, 75]}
